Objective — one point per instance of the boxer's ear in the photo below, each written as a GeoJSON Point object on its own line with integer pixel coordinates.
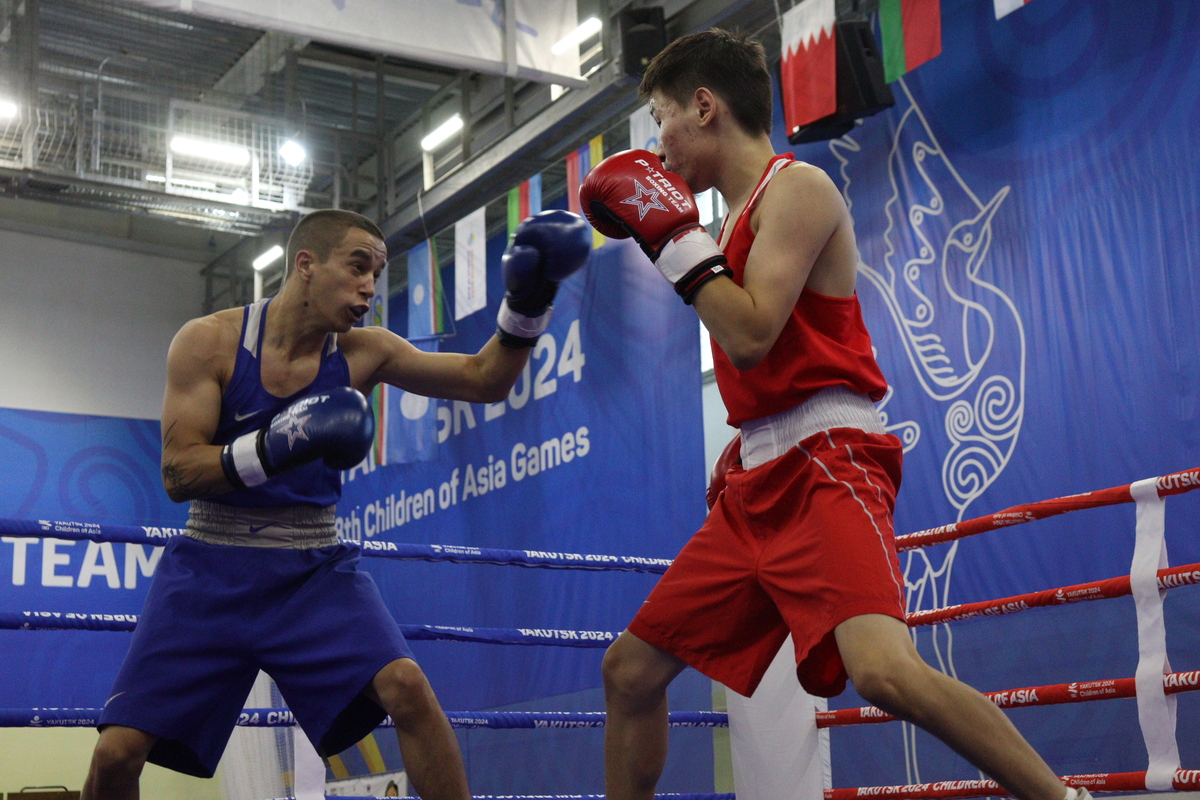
{"type": "Point", "coordinates": [704, 104]}
{"type": "Point", "coordinates": [305, 260]}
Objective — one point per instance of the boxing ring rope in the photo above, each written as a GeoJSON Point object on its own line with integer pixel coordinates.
{"type": "Point", "coordinates": [1175, 483]}
{"type": "Point", "coordinates": [1107, 589]}
{"type": "Point", "coordinates": [62, 621]}
{"type": "Point", "coordinates": [283, 718]}
{"type": "Point", "coordinates": [1142, 492]}
{"type": "Point", "coordinates": [1185, 780]}
{"type": "Point", "coordinates": [1143, 579]}
{"type": "Point", "coordinates": [456, 554]}
{"type": "Point", "coordinates": [1051, 695]}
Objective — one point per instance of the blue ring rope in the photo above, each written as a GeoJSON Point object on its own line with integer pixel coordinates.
{"type": "Point", "coordinates": [457, 554]}
{"type": "Point", "coordinates": [74, 621]}
{"type": "Point", "coordinates": [283, 718]}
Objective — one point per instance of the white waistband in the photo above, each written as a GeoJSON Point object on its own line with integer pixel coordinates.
{"type": "Point", "coordinates": [833, 407]}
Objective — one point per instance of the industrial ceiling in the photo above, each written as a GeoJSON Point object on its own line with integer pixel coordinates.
{"type": "Point", "coordinates": [101, 90]}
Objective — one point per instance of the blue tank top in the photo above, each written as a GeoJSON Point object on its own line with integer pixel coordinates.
{"type": "Point", "coordinates": [246, 406]}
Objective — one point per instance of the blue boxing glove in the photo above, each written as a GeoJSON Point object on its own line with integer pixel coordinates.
{"type": "Point", "coordinates": [546, 248]}
{"type": "Point", "coordinates": [336, 426]}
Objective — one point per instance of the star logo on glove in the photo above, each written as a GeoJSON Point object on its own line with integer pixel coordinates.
{"type": "Point", "coordinates": [643, 205]}
{"type": "Point", "coordinates": [294, 428]}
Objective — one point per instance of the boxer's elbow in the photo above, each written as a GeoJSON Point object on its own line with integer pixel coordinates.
{"type": "Point", "coordinates": [747, 351]}
{"type": "Point", "coordinates": [495, 394]}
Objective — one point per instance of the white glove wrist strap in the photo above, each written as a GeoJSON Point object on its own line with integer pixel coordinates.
{"type": "Point", "coordinates": [684, 251]}
{"type": "Point", "coordinates": [516, 324]}
{"type": "Point", "coordinates": [245, 460]}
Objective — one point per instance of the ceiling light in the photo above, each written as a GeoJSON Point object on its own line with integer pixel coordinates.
{"type": "Point", "coordinates": [268, 258]}
{"type": "Point", "coordinates": [8, 109]}
{"type": "Point", "coordinates": [293, 153]}
{"type": "Point", "coordinates": [239, 196]}
{"type": "Point", "coordinates": [588, 28]}
{"type": "Point", "coordinates": [211, 151]}
{"type": "Point", "coordinates": [442, 133]}
{"type": "Point", "coordinates": [155, 178]}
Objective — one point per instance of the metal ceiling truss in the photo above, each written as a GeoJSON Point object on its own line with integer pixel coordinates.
{"type": "Point", "coordinates": [104, 84]}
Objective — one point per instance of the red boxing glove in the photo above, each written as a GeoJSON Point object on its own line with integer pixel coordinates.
{"type": "Point", "coordinates": [631, 194]}
{"type": "Point", "coordinates": [730, 457]}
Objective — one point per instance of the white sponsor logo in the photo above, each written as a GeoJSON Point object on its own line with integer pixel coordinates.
{"type": "Point", "coordinates": [240, 417]}
{"type": "Point", "coordinates": [1014, 697]}
{"type": "Point", "coordinates": [1180, 481]}
{"type": "Point", "coordinates": [1181, 679]}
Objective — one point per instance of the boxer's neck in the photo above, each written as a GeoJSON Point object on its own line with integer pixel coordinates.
{"type": "Point", "coordinates": [292, 326]}
{"type": "Point", "coordinates": [740, 161]}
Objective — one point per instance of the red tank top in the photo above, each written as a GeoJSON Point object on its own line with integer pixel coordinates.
{"type": "Point", "coordinates": [823, 343]}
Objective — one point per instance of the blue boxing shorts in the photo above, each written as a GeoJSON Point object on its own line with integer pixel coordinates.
{"type": "Point", "coordinates": [217, 614]}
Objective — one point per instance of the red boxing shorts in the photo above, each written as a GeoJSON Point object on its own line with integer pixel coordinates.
{"type": "Point", "coordinates": [799, 544]}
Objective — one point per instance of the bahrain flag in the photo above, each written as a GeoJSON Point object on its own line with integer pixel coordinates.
{"type": "Point", "coordinates": [809, 69]}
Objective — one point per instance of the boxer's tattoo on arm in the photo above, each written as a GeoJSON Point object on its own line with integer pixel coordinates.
{"type": "Point", "coordinates": [179, 487]}
{"type": "Point", "coordinates": [174, 480]}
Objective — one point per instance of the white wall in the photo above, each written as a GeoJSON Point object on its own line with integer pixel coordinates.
{"type": "Point", "coordinates": [84, 329]}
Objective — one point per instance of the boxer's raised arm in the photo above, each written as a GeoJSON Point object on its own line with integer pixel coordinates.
{"type": "Point", "coordinates": [191, 464]}
{"type": "Point", "coordinates": [798, 213]}
{"type": "Point", "coordinates": [484, 377]}
{"type": "Point", "coordinates": [546, 249]}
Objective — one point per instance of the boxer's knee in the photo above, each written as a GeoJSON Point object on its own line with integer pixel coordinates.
{"type": "Point", "coordinates": [403, 690]}
{"type": "Point", "coordinates": [637, 672]}
{"type": "Point", "coordinates": [120, 755]}
{"type": "Point", "coordinates": [895, 684]}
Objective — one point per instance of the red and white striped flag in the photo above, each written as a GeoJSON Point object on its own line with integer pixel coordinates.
{"type": "Point", "coordinates": [1006, 7]}
{"type": "Point", "coordinates": [809, 69]}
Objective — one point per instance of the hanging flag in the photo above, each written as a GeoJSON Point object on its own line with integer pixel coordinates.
{"type": "Point", "coordinates": [912, 34]}
{"type": "Point", "coordinates": [1006, 7]}
{"type": "Point", "coordinates": [470, 264]}
{"type": "Point", "coordinates": [524, 201]}
{"type": "Point", "coordinates": [643, 130]}
{"type": "Point", "coordinates": [595, 156]}
{"type": "Point", "coordinates": [579, 162]}
{"type": "Point", "coordinates": [574, 180]}
{"type": "Point", "coordinates": [426, 315]}
{"type": "Point", "coordinates": [808, 71]}
{"type": "Point", "coordinates": [412, 422]}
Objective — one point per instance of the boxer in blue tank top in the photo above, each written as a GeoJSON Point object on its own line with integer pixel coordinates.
{"type": "Point", "coordinates": [263, 406]}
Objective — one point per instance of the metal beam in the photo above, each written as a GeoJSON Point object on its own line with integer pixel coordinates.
{"type": "Point", "coordinates": [429, 80]}
{"type": "Point", "coordinates": [577, 115]}
{"type": "Point", "coordinates": [248, 74]}
{"type": "Point", "coordinates": [549, 135]}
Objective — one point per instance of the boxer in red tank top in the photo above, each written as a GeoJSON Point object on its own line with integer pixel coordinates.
{"type": "Point", "coordinates": [800, 540]}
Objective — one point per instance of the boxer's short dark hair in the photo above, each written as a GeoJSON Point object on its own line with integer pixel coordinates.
{"type": "Point", "coordinates": [730, 64]}
{"type": "Point", "coordinates": [321, 231]}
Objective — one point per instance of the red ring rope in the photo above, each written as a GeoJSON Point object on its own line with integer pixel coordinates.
{"type": "Point", "coordinates": [1054, 694]}
{"type": "Point", "coordinates": [1096, 590]}
{"type": "Point", "coordinates": [1186, 780]}
{"type": "Point", "coordinates": [1175, 483]}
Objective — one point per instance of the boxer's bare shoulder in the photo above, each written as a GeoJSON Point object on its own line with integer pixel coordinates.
{"type": "Point", "coordinates": [802, 212]}
{"type": "Point", "coordinates": [207, 345]}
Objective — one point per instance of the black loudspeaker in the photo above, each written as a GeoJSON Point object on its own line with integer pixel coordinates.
{"type": "Point", "coordinates": [643, 36]}
{"type": "Point", "coordinates": [861, 89]}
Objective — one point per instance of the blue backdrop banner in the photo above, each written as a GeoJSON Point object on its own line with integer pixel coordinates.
{"type": "Point", "coordinates": [1027, 217]}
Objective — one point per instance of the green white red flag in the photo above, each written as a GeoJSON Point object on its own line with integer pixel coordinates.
{"type": "Point", "coordinates": [912, 34]}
